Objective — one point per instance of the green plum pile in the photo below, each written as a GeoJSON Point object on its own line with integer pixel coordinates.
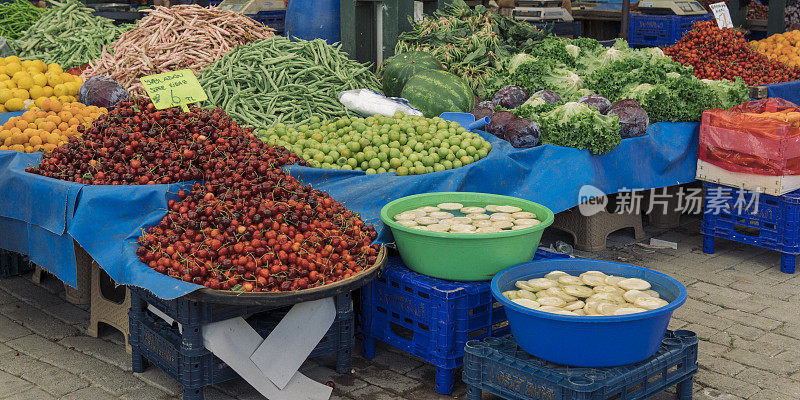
{"type": "Point", "coordinates": [403, 144]}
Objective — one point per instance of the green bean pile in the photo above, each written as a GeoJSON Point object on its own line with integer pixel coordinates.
{"type": "Point", "coordinates": [277, 80]}
{"type": "Point", "coordinates": [68, 34]}
{"type": "Point", "coordinates": [16, 16]}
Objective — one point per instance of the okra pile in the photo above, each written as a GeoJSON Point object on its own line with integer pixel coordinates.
{"type": "Point", "coordinates": [67, 34]}
{"type": "Point", "coordinates": [277, 80]}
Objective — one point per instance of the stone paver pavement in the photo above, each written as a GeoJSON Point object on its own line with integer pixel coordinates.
{"type": "Point", "coordinates": [742, 307]}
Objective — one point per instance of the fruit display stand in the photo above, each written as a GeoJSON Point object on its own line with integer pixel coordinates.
{"type": "Point", "coordinates": [430, 318]}
{"type": "Point", "coordinates": [498, 366]}
{"type": "Point", "coordinates": [82, 293]}
{"type": "Point", "coordinates": [13, 264]}
{"type": "Point", "coordinates": [177, 347]}
{"type": "Point", "coordinates": [110, 305]}
{"type": "Point", "coordinates": [590, 232]}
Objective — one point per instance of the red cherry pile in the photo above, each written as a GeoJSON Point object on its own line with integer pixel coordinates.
{"type": "Point", "coordinates": [249, 226]}
{"type": "Point", "coordinates": [725, 54]}
{"type": "Point", "coordinates": [135, 144]}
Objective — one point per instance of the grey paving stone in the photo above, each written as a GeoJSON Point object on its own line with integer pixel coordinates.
{"type": "Point", "coordinates": [31, 394]}
{"type": "Point", "coordinates": [388, 379]}
{"type": "Point", "coordinates": [720, 290]}
{"type": "Point", "coordinates": [771, 395]}
{"type": "Point", "coordinates": [11, 330]}
{"type": "Point", "coordinates": [89, 393]}
{"type": "Point", "coordinates": [394, 360]}
{"type": "Point", "coordinates": [748, 319]}
{"type": "Point", "coordinates": [702, 305]}
{"type": "Point", "coordinates": [719, 364]}
{"type": "Point", "coordinates": [55, 381]}
{"type": "Point", "coordinates": [70, 314]}
{"type": "Point", "coordinates": [726, 384]}
{"type": "Point", "coordinates": [703, 318]}
{"type": "Point", "coordinates": [6, 298]}
{"type": "Point", "coordinates": [147, 393]}
{"type": "Point", "coordinates": [113, 380]}
{"type": "Point", "coordinates": [347, 383]}
{"type": "Point", "coordinates": [23, 289]}
{"type": "Point", "coordinates": [768, 380]}
{"type": "Point", "coordinates": [703, 332]}
{"type": "Point", "coordinates": [747, 304]}
{"type": "Point", "coordinates": [214, 394]}
{"type": "Point", "coordinates": [374, 393]}
{"type": "Point", "coordinates": [35, 345]}
{"type": "Point", "coordinates": [156, 377]}
{"type": "Point", "coordinates": [745, 332]}
{"type": "Point", "coordinates": [714, 394]}
{"type": "Point", "coordinates": [34, 319]}
{"type": "Point", "coordinates": [791, 330]}
{"type": "Point", "coordinates": [759, 361]}
{"type": "Point", "coordinates": [10, 384]}
{"type": "Point", "coordinates": [780, 291]}
{"type": "Point", "coordinates": [73, 361]}
{"type": "Point", "coordinates": [101, 349]}
{"type": "Point", "coordinates": [784, 313]}
{"type": "Point", "coordinates": [20, 364]}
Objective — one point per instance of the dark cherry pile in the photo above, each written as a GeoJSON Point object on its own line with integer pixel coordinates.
{"type": "Point", "coordinates": [248, 226]}
{"type": "Point", "coordinates": [725, 54]}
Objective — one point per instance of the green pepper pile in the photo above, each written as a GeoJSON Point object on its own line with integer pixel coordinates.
{"type": "Point", "coordinates": [67, 34]}
{"type": "Point", "coordinates": [17, 16]}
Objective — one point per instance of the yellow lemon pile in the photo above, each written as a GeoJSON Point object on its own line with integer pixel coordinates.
{"type": "Point", "coordinates": [23, 83]}
{"type": "Point", "coordinates": [48, 127]}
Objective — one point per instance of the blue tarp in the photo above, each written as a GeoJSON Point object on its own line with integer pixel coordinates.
{"type": "Point", "coordinates": [550, 175]}
{"type": "Point", "coordinates": [787, 91]}
{"type": "Point", "coordinates": [41, 216]}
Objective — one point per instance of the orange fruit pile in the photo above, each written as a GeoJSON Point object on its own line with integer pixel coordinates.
{"type": "Point", "coordinates": [45, 128]}
{"type": "Point", "coordinates": [784, 47]}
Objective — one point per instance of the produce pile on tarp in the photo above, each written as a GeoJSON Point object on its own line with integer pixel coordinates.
{"type": "Point", "coordinates": [471, 43]}
{"type": "Point", "coordinates": [68, 34]}
{"type": "Point", "coordinates": [16, 16]}
{"type": "Point", "coordinates": [724, 53]}
{"type": "Point", "coordinates": [280, 80]}
{"type": "Point", "coordinates": [171, 39]}
{"type": "Point", "coordinates": [246, 225]}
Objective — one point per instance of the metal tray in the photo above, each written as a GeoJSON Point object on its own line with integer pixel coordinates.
{"type": "Point", "coordinates": [288, 298]}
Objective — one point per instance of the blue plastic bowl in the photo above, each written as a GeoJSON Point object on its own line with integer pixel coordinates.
{"type": "Point", "coordinates": [583, 341]}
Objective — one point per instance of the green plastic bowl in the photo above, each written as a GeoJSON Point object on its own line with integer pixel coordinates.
{"type": "Point", "coordinates": [460, 256]}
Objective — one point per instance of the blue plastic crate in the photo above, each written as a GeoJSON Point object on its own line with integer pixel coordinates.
{"type": "Point", "coordinates": [499, 366]}
{"type": "Point", "coordinates": [13, 264]}
{"type": "Point", "coordinates": [428, 317]}
{"type": "Point", "coordinates": [272, 19]}
{"type": "Point", "coordinates": [184, 358]}
{"type": "Point", "coordinates": [660, 30]}
{"type": "Point", "coordinates": [770, 222]}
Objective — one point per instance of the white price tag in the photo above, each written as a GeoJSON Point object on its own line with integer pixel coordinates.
{"type": "Point", "coordinates": [721, 14]}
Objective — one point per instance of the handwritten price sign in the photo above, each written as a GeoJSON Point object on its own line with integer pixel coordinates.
{"type": "Point", "coordinates": [177, 88]}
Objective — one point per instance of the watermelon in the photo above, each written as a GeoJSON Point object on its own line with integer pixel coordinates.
{"type": "Point", "coordinates": [400, 68]}
{"type": "Point", "coordinates": [434, 92]}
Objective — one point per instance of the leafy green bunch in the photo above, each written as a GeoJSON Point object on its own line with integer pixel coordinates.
{"type": "Point", "coordinates": [473, 43]}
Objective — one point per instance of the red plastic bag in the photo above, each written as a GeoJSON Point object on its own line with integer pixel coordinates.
{"type": "Point", "coordinates": [738, 142]}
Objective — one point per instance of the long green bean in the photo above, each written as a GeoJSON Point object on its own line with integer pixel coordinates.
{"type": "Point", "coordinates": [67, 34]}
{"type": "Point", "coordinates": [277, 80]}
{"type": "Point", "coordinates": [17, 16]}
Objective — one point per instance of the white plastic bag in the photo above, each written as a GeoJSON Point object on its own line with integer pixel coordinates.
{"type": "Point", "coordinates": [369, 102]}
